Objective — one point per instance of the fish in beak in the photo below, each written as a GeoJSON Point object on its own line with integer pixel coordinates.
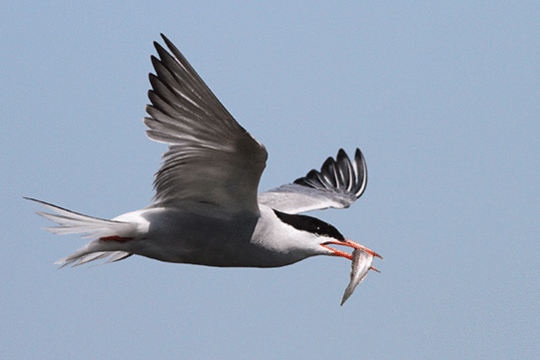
{"type": "Point", "coordinates": [362, 260]}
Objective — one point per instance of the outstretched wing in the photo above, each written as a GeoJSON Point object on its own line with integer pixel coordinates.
{"type": "Point", "coordinates": [212, 161]}
{"type": "Point", "coordinates": [339, 183]}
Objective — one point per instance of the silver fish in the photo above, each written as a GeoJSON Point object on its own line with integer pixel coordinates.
{"type": "Point", "coordinates": [361, 263]}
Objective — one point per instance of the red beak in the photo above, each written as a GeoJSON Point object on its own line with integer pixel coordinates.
{"type": "Point", "coordinates": [349, 243]}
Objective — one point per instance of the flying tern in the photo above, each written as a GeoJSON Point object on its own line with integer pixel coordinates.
{"type": "Point", "coordinates": [206, 209]}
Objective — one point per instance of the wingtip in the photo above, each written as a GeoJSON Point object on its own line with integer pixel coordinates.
{"type": "Point", "coordinates": [358, 156]}
{"type": "Point", "coordinates": [169, 44]}
{"type": "Point", "coordinates": [157, 46]}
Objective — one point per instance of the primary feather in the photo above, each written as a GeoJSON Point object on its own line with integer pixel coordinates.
{"type": "Point", "coordinates": [338, 184]}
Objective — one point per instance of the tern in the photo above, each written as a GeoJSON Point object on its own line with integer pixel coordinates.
{"type": "Point", "coordinates": [206, 209]}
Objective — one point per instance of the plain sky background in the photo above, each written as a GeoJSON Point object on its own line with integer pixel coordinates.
{"type": "Point", "coordinates": [442, 97]}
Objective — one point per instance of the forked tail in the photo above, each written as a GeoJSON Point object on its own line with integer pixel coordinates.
{"type": "Point", "coordinates": [99, 230]}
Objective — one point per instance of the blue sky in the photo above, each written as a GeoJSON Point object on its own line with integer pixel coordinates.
{"type": "Point", "coordinates": [442, 98]}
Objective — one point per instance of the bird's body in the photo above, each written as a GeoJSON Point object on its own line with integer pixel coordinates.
{"type": "Point", "coordinates": [184, 237]}
{"type": "Point", "coordinates": [206, 209]}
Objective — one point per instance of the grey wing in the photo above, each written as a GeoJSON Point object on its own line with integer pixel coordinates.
{"type": "Point", "coordinates": [212, 161]}
{"type": "Point", "coordinates": [338, 184]}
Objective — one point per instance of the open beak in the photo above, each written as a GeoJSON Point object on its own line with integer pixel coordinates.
{"type": "Point", "coordinates": [352, 244]}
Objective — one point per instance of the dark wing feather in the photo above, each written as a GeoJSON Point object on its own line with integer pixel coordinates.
{"type": "Point", "coordinates": [338, 184]}
{"type": "Point", "coordinates": [211, 160]}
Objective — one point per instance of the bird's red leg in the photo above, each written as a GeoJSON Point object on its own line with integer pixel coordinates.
{"type": "Point", "coordinates": [115, 238]}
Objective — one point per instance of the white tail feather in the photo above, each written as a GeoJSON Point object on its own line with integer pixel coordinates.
{"type": "Point", "coordinates": [82, 257]}
{"type": "Point", "coordinates": [90, 227]}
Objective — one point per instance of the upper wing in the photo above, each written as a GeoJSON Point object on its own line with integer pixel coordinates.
{"type": "Point", "coordinates": [339, 183]}
{"type": "Point", "coordinates": [212, 161]}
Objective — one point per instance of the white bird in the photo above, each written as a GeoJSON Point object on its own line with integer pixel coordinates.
{"type": "Point", "coordinates": [206, 209]}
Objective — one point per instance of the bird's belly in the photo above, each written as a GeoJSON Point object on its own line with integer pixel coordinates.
{"type": "Point", "coordinates": [188, 238]}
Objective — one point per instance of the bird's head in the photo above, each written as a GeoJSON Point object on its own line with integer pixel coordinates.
{"type": "Point", "coordinates": [324, 234]}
